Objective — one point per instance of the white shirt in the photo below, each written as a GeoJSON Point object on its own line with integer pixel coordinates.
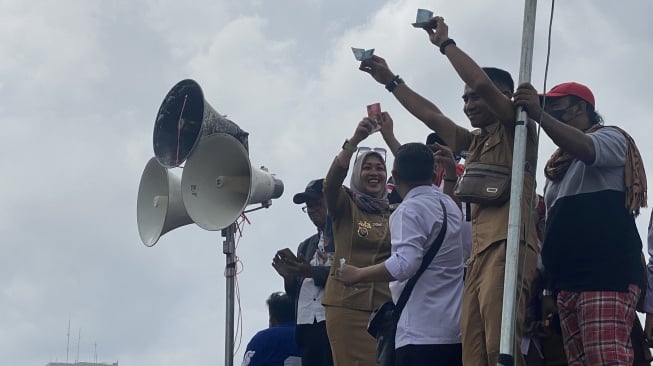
{"type": "Point", "coordinates": [309, 303]}
{"type": "Point", "coordinates": [432, 314]}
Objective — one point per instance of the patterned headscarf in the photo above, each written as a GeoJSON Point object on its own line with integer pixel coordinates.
{"type": "Point", "coordinates": [371, 204]}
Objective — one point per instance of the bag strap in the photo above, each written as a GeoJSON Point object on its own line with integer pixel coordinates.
{"type": "Point", "coordinates": [426, 261]}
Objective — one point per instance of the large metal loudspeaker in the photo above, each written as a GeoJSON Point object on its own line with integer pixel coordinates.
{"type": "Point", "coordinates": [159, 204]}
{"type": "Point", "coordinates": [183, 119]}
{"type": "Point", "coordinates": [219, 182]}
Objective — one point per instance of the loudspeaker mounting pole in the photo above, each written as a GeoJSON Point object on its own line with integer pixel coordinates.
{"type": "Point", "coordinates": [229, 249]}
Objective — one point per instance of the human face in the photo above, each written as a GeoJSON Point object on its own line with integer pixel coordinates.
{"type": "Point", "coordinates": [476, 109]}
{"type": "Point", "coordinates": [564, 111]}
{"type": "Point", "coordinates": [373, 175]}
{"type": "Point", "coordinates": [316, 210]}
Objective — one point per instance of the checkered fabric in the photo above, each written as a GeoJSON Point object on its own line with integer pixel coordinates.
{"type": "Point", "coordinates": [596, 326]}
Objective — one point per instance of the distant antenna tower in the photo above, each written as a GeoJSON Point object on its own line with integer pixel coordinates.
{"type": "Point", "coordinates": [68, 341]}
{"type": "Point", "coordinates": [79, 338]}
{"type": "Point", "coordinates": [95, 352]}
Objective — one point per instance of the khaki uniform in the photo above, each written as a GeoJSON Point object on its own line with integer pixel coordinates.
{"type": "Point", "coordinates": [362, 239]}
{"type": "Point", "coordinates": [483, 294]}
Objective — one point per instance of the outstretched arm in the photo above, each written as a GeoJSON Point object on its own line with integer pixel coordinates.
{"type": "Point", "coordinates": [350, 275]}
{"type": "Point", "coordinates": [338, 170]}
{"type": "Point", "coordinates": [387, 126]}
{"type": "Point", "coordinates": [417, 105]}
{"type": "Point", "coordinates": [568, 138]}
{"type": "Point", "coordinates": [473, 75]}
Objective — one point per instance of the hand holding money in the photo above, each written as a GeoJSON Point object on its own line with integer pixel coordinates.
{"type": "Point", "coordinates": [424, 19]}
{"type": "Point", "coordinates": [378, 68]}
{"type": "Point", "coordinates": [440, 34]}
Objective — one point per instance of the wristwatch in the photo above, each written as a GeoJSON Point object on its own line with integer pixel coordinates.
{"type": "Point", "coordinates": [348, 146]}
{"type": "Point", "coordinates": [394, 83]}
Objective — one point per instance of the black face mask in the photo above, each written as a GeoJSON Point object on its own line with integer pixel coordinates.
{"type": "Point", "coordinates": [557, 114]}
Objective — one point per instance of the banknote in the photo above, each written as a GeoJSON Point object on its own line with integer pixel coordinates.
{"type": "Point", "coordinates": [374, 113]}
{"type": "Point", "coordinates": [422, 19]}
{"type": "Point", "coordinates": [362, 54]}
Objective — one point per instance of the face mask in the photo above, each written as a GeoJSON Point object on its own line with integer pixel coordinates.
{"type": "Point", "coordinates": [557, 114]}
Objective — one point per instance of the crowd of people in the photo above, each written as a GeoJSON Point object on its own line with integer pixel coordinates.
{"type": "Point", "coordinates": [581, 272]}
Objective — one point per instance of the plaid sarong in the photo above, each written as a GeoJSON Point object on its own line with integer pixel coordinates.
{"type": "Point", "coordinates": [596, 326]}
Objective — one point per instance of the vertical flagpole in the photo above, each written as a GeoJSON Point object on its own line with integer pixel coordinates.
{"type": "Point", "coordinates": [507, 349]}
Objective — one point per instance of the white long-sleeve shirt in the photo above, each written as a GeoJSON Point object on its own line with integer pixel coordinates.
{"type": "Point", "coordinates": [432, 314]}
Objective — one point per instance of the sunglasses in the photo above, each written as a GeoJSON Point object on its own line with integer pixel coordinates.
{"type": "Point", "coordinates": [379, 150]}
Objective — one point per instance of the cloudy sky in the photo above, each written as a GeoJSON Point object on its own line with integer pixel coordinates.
{"type": "Point", "coordinates": [81, 82]}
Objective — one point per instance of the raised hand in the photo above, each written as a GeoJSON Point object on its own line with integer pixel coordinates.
{"type": "Point", "coordinates": [378, 68]}
{"type": "Point", "coordinates": [365, 127]}
{"type": "Point", "coordinates": [440, 33]}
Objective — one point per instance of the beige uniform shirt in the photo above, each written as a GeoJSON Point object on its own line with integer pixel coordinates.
{"type": "Point", "coordinates": [362, 239]}
{"type": "Point", "coordinates": [494, 144]}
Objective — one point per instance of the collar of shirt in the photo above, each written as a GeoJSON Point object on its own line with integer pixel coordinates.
{"type": "Point", "coordinates": [425, 189]}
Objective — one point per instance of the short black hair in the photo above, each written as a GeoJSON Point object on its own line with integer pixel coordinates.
{"type": "Point", "coordinates": [414, 163]}
{"type": "Point", "coordinates": [500, 78]}
{"type": "Point", "coordinates": [433, 137]}
{"type": "Point", "coordinates": [281, 307]}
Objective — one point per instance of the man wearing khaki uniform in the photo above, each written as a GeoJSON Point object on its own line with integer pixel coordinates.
{"type": "Point", "coordinates": [488, 106]}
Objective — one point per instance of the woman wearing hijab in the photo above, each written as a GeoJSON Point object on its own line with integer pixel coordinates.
{"type": "Point", "coordinates": [359, 224]}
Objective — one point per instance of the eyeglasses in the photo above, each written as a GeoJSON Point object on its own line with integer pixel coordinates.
{"type": "Point", "coordinates": [379, 150]}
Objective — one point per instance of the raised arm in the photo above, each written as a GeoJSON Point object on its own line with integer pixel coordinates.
{"type": "Point", "coordinates": [387, 132]}
{"type": "Point", "coordinates": [568, 138]}
{"type": "Point", "coordinates": [417, 105]}
{"type": "Point", "coordinates": [473, 75]}
{"type": "Point", "coordinates": [445, 162]}
{"type": "Point", "coordinates": [338, 170]}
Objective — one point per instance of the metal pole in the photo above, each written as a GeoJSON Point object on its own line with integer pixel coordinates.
{"type": "Point", "coordinates": [229, 248]}
{"type": "Point", "coordinates": [507, 349]}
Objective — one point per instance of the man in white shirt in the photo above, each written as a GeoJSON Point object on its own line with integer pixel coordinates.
{"type": "Point", "coordinates": [428, 331]}
{"type": "Point", "coordinates": [305, 277]}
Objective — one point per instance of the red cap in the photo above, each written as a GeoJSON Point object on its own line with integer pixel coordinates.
{"type": "Point", "coordinates": [572, 88]}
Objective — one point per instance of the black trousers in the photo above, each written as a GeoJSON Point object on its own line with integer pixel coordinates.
{"type": "Point", "coordinates": [429, 354]}
{"type": "Point", "coordinates": [313, 341]}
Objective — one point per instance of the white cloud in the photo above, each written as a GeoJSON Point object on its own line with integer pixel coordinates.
{"type": "Point", "coordinates": [81, 83]}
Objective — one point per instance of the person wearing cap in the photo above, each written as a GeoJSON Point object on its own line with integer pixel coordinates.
{"type": "Point", "coordinates": [595, 187]}
{"type": "Point", "coordinates": [489, 108]}
{"type": "Point", "coordinates": [305, 278]}
{"type": "Point", "coordinates": [360, 220]}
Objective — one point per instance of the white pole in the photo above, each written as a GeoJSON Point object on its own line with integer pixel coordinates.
{"type": "Point", "coordinates": [229, 248]}
{"type": "Point", "coordinates": [507, 349]}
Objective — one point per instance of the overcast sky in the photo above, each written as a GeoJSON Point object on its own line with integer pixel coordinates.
{"type": "Point", "coordinates": [81, 82]}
